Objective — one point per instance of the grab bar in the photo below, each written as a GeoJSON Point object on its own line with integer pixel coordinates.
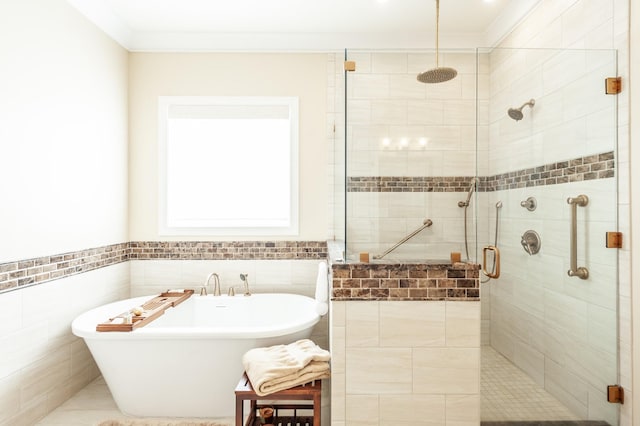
{"type": "Point", "coordinates": [496, 262]}
{"type": "Point", "coordinates": [425, 224]}
{"type": "Point", "coordinates": [575, 271]}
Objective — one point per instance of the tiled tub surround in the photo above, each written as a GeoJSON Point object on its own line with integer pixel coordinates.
{"type": "Point", "coordinates": [405, 281]}
{"type": "Point", "coordinates": [228, 250]}
{"type": "Point", "coordinates": [43, 364]}
{"type": "Point", "coordinates": [26, 272]}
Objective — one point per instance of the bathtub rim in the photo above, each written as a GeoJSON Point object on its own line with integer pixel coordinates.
{"type": "Point", "coordinates": [84, 325]}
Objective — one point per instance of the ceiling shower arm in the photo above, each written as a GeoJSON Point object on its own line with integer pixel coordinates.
{"type": "Point", "coordinates": [427, 223]}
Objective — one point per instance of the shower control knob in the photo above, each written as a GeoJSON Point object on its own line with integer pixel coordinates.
{"type": "Point", "coordinates": [529, 204]}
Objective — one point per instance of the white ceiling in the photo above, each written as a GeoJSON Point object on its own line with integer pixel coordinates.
{"type": "Point", "coordinates": [301, 25]}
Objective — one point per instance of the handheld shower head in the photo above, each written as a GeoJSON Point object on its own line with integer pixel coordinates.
{"type": "Point", "coordinates": [516, 113]}
{"type": "Point", "coordinates": [474, 182]}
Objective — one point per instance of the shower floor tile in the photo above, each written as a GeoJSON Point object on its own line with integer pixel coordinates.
{"type": "Point", "coordinates": [508, 394]}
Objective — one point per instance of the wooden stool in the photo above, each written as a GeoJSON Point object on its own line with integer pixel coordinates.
{"type": "Point", "coordinates": [244, 391]}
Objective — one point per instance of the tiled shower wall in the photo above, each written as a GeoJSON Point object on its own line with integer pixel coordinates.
{"type": "Point", "coordinates": [411, 153]}
{"type": "Point", "coordinates": [562, 331]}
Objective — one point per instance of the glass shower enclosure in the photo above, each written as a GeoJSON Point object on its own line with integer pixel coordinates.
{"type": "Point", "coordinates": [517, 152]}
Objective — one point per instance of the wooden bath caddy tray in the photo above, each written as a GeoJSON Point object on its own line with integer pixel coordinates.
{"type": "Point", "coordinates": [152, 309]}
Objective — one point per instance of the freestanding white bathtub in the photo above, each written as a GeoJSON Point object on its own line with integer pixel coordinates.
{"type": "Point", "coordinates": [187, 362]}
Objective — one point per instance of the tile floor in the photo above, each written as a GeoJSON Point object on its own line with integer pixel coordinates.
{"type": "Point", "coordinates": [93, 405]}
{"type": "Point", "coordinates": [507, 395]}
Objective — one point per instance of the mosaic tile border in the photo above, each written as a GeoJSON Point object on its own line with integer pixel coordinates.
{"type": "Point", "coordinates": [419, 281]}
{"type": "Point", "coordinates": [408, 183]}
{"type": "Point", "coordinates": [228, 250]}
{"type": "Point", "coordinates": [597, 166]}
{"type": "Point", "coordinates": [28, 272]}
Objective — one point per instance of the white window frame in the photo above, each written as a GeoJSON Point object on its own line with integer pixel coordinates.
{"type": "Point", "coordinates": [164, 105]}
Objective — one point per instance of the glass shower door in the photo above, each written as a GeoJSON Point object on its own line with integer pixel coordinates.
{"type": "Point", "coordinates": [551, 138]}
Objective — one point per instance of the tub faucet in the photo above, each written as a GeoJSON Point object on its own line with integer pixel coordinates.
{"type": "Point", "coordinates": [245, 281]}
{"type": "Point", "coordinates": [216, 284]}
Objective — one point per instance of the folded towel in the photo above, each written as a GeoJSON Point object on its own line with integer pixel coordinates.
{"type": "Point", "coordinates": [280, 367]}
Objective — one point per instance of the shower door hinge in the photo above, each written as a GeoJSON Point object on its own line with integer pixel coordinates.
{"type": "Point", "coordinates": [613, 85]}
{"type": "Point", "coordinates": [615, 394]}
{"type": "Point", "coordinates": [349, 65]}
{"type": "Point", "coordinates": [614, 240]}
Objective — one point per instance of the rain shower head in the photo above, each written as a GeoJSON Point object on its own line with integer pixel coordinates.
{"type": "Point", "coordinates": [516, 113]}
{"type": "Point", "coordinates": [437, 74]}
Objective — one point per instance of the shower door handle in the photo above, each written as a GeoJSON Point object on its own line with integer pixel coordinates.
{"type": "Point", "coordinates": [575, 271]}
{"type": "Point", "coordinates": [496, 260]}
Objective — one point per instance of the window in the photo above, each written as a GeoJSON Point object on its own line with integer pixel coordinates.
{"type": "Point", "coordinates": [228, 165]}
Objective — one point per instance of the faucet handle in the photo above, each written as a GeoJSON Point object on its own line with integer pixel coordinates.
{"type": "Point", "coordinates": [232, 291]}
{"type": "Point", "coordinates": [203, 291]}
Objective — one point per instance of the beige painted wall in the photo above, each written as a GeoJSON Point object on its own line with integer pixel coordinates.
{"type": "Point", "coordinates": [227, 74]}
{"type": "Point", "coordinates": [63, 137]}
{"type": "Point", "coordinates": [63, 180]}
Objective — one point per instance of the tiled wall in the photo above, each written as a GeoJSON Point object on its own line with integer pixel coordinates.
{"type": "Point", "coordinates": [22, 273]}
{"type": "Point", "coordinates": [405, 363]}
{"type": "Point", "coordinates": [363, 281]}
{"type": "Point", "coordinates": [228, 250]}
{"type": "Point", "coordinates": [596, 166]}
{"type": "Point", "coordinates": [408, 184]}
{"type": "Point", "coordinates": [558, 329]}
{"type": "Point", "coordinates": [410, 146]}
{"type": "Point", "coordinates": [27, 272]}
{"type": "Point", "coordinates": [43, 364]}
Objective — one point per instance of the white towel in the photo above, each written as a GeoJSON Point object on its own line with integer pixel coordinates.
{"type": "Point", "coordinates": [322, 288]}
{"type": "Point", "coordinates": [280, 367]}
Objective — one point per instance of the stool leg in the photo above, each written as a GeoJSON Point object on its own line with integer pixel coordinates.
{"type": "Point", "coordinates": [317, 408]}
{"type": "Point", "coordinates": [239, 411]}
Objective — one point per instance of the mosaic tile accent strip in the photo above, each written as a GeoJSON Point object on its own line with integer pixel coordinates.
{"type": "Point", "coordinates": [414, 281]}
{"type": "Point", "coordinates": [408, 183]}
{"type": "Point", "coordinates": [28, 272]}
{"type": "Point", "coordinates": [24, 273]}
{"type": "Point", "coordinates": [228, 250]}
{"type": "Point", "coordinates": [597, 166]}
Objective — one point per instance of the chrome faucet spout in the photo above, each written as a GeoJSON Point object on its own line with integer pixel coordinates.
{"type": "Point", "coordinates": [216, 284]}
